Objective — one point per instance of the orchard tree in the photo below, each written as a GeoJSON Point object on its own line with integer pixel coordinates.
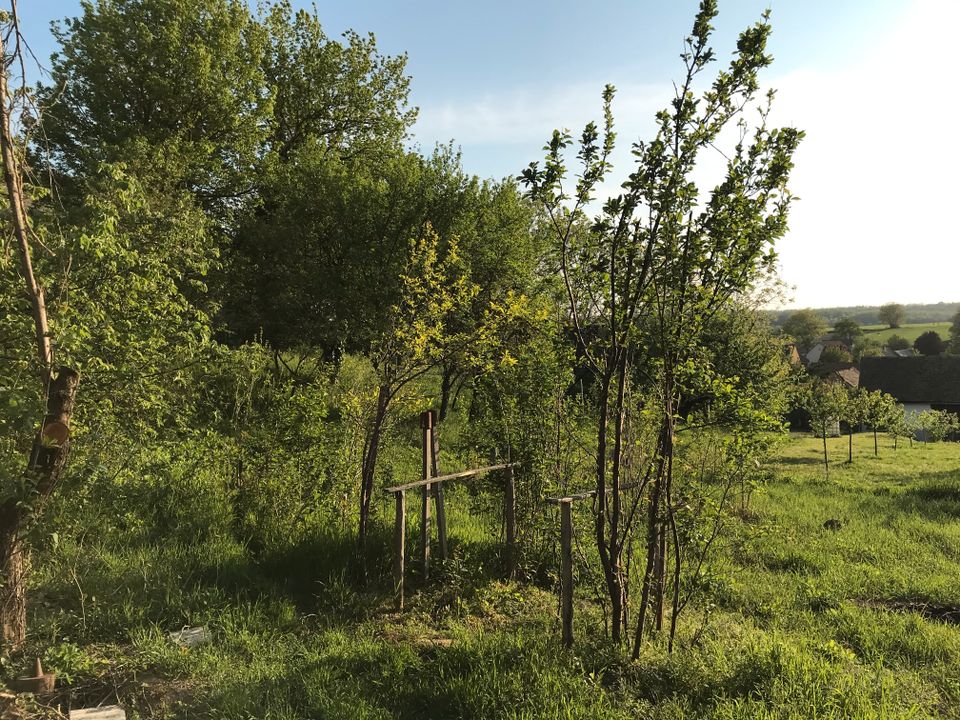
{"type": "Point", "coordinates": [805, 326]}
{"type": "Point", "coordinates": [854, 412]}
{"type": "Point", "coordinates": [881, 412]}
{"type": "Point", "coordinates": [826, 404]}
{"type": "Point", "coordinates": [892, 314]}
{"type": "Point", "coordinates": [647, 274]}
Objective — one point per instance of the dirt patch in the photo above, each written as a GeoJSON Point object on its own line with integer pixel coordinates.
{"type": "Point", "coordinates": [949, 614]}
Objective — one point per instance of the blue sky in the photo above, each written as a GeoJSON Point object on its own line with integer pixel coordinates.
{"type": "Point", "coordinates": [873, 83]}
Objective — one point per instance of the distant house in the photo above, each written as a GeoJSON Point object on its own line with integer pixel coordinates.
{"type": "Point", "coordinates": [813, 354]}
{"type": "Point", "coordinates": [918, 383]}
{"type": "Point", "coordinates": [906, 352]}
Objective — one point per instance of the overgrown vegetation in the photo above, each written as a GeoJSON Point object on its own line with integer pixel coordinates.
{"type": "Point", "coordinates": [262, 287]}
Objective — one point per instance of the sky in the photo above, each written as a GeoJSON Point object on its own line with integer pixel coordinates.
{"type": "Point", "coordinates": [873, 83]}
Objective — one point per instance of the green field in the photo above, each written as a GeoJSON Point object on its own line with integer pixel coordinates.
{"type": "Point", "coordinates": [911, 332]}
{"type": "Point", "coordinates": [802, 621]}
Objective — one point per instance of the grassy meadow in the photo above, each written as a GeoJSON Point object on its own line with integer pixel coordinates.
{"type": "Point", "coordinates": [834, 598]}
{"type": "Point", "coordinates": [909, 331]}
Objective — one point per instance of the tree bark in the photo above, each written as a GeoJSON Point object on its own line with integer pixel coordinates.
{"type": "Point", "coordinates": [368, 470]}
{"type": "Point", "coordinates": [47, 459]}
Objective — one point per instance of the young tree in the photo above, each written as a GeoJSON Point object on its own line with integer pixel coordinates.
{"type": "Point", "coordinates": [826, 404]}
{"type": "Point", "coordinates": [881, 411]}
{"type": "Point", "coordinates": [650, 271]}
{"type": "Point", "coordinates": [854, 412]}
{"type": "Point", "coordinates": [805, 326]}
{"type": "Point", "coordinates": [892, 314]}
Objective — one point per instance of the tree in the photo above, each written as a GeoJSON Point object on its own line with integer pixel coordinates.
{"type": "Point", "coordinates": [929, 343]}
{"type": "Point", "coordinates": [892, 314]}
{"type": "Point", "coordinates": [23, 493]}
{"type": "Point", "coordinates": [826, 404]}
{"type": "Point", "coordinates": [955, 334]}
{"type": "Point", "coordinates": [834, 354]}
{"type": "Point", "coordinates": [854, 412]}
{"type": "Point", "coordinates": [217, 95]}
{"type": "Point", "coordinates": [647, 275]}
{"type": "Point", "coordinates": [882, 412]}
{"type": "Point", "coordinates": [848, 330]}
{"type": "Point", "coordinates": [805, 326]}
{"type": "Point", "coordinates": [897, 342]}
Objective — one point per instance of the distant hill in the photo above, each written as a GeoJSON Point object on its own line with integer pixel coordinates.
{"type": "Point", "coordinates": [867, 314]}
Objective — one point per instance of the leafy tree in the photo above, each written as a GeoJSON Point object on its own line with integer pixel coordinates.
{"type": "Point", "coordinates": [660, 261]}
{"type": "Point", "coordinates": [897, 342]}
{"type": "Point", "coordinates": [892, 314]}
{"type": "Point", "coordinates": [344, 97]}
{"type": "Point", "coordinates": [854, 412]}
{"type": "Point", "coordinates": [217, 95]}
{"type": "Point", "coordinates": [825, 403]}
{"type": "Point", "coordinates": [848, 330]}
{"type": "Point", "coordinates": [929, 343]}
{"type": "Point", "coordinates": [805, 326]}
{"type": "Point", "coordinates": [136, 77]}
{"type": "Point", "coordinates": [882, 412]}
{"type": "Point", "coordinates": [936, 424]}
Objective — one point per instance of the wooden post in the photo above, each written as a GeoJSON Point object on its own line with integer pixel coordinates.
{"type": "Point", "coordinates": [438, 495]}
{"type": "Point", "coordinates": [426, 423]}
{"type": "Point", "coordinates": [399, 537]}
{"type": "Point", "coordinates": [510, 523]}
{"type": "Point", "coordinates": [566, 570]}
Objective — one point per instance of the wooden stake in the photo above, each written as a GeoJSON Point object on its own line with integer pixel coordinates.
{"type": "Point", "coordinates": [399, 537]}
{"type": "Point", "coordinates": [438, 495]}
{"type": "Point", "coordinates": [510, 523]}
{"type": "Point", "coordinates": [426, 423]}
{"type": "Point", "coordinates": [566, 570]}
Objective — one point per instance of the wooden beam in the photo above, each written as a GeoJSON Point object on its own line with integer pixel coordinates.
{"type": "Point", "coordinates": [438, 496]}
{"type": "Point", "coordinates": [510, 523]}
{"type": "Point", "coordinates": [444, 478]}
{"type": "Point", "coordinates": [399, 537]}
{"type": "Point", "coordinates": [426, 423]}
{"type": "Point", "coordinates": [566, 571]}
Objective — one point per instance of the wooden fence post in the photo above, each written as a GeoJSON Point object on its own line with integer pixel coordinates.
{"type": "Point", "coordinates": [426, 422]}
{"type": "Point", "coordinates": [399, 537]}
{"type": "Point", "coordinates": [510, 522]}
{"type": "Point", "coordinates": [566, 570]}
{"type": "Point", "coordinates": [438, 496]}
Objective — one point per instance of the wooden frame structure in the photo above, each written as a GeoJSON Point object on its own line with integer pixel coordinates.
{"type": "Point", "coordinates": [431, 487]}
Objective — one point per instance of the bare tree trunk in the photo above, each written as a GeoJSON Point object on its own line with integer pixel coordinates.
{"type": "Point", "coordinates": [13, 596]}
{"type": "Point", "coordinates": [47, 459]}
{"type": "Point", "coordinates": [370, 453]}
{"type": "Point", "coordinates": [21, 228]}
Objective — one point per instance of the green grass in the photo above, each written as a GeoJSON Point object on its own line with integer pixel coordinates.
{"type": "Point", "coordinates": [801, 621]}
{"type": "Point", "coordinates": [911, 332]}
